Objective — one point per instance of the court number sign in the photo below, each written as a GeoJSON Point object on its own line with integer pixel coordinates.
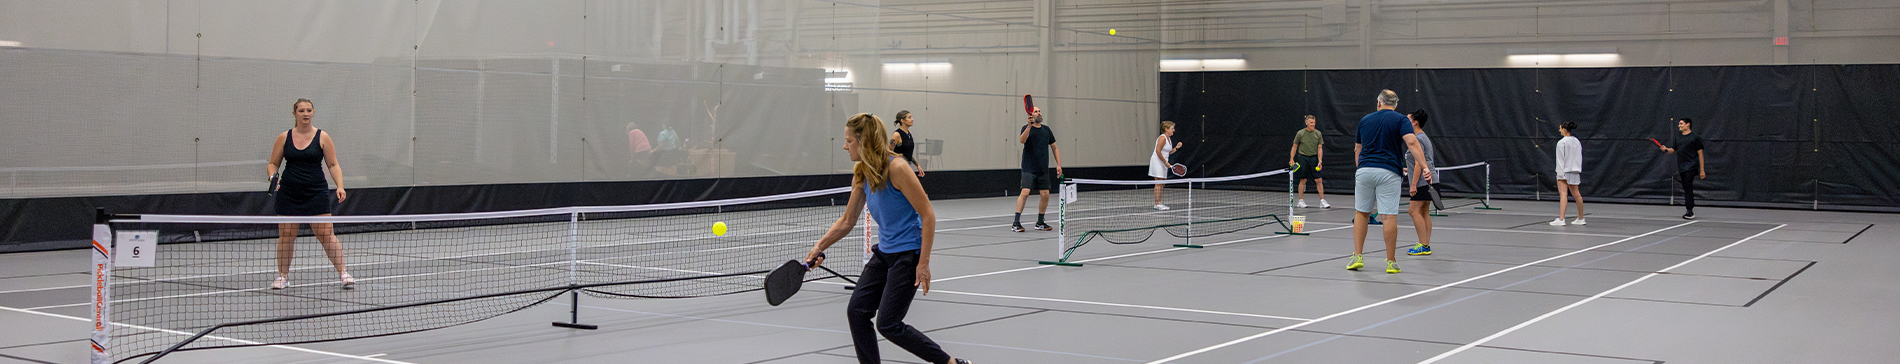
{"type": "Point", "coordinates": [136, 249]}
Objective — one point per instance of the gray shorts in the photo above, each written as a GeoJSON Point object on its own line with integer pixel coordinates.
{"type": "Point", "coordinates": [1376, 190]}
{"type": "Point", "coordinates": [1573, 178]}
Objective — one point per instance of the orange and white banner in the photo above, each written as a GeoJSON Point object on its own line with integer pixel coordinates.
{"type": "Point", "coordinates": [101, 293]}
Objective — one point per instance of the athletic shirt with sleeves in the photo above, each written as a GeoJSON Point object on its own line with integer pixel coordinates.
{"type": "Point", "coordinates": [1569, 155]}
{"type": "Point", "coordinates": [899, 229]}
{"type": "Point", "coordinates": [1686, 147]}
{"type": "Point", "coordinates": [1036, 149]}
{"type": "Point", "coordinates": [905, 146]}
{"type": "Point", "coordinates": [1382, 140]}
{"type": "Point", "coordinates": [1308, 142]}
{"type": "Point", "coordinates": [303, 168]}
{"type": "Point", "coordinates": [1424, 143]}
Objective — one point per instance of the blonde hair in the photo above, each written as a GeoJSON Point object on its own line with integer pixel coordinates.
{"type": "Point", "coordinates": [874, 156]}
{"type": "Point", "coordinates": [1165, 125]}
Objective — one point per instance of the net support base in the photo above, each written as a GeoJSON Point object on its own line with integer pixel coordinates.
{"type": "Point", "coordinates": [1487, 208]}
{"type": "Point", "coordinates": [1065, 264]}
{"type": "Point", "coordinates": [574, 322]}
{"type": "Point", "coordinates": [572, 325]}
{"type": "Point", "coordinates": [1436, 214]}
{"type": "Point", "coordinates": [1290, 233]}
{"type": "Point", "coordinates": [1188, 246]}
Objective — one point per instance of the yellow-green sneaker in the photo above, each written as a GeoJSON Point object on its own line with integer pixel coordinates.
{"type": "Point", "coordinates": [1357, 262]}
{"type": "Point", "coordinates": [1391, 267]}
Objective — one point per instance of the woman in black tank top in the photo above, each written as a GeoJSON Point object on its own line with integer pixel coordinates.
{"type": "Point", "coordinates": [901, 141]}
{"type": "Point", "coordinates": [304, 151]}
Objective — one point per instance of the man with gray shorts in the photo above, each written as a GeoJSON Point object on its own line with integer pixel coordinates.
{"type": "Point", "coordinates": [1384, 136]}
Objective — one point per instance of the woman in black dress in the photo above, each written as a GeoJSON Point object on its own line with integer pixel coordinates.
{"type": "Point", "coordinates": [304, 151]}
{"type": "Point", "coordinates": [902, 143]}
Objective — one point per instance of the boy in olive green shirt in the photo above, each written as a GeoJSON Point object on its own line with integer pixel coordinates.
{"type": "Point", "coordinates": [1307, 154]}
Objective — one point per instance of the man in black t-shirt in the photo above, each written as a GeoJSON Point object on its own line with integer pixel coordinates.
{"type": "Point", "coordinates": [1038, 144]}
{"type": "Point", "coordinates": [1690, 164]}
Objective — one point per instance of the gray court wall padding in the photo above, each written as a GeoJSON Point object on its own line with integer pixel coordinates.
{"type": "Point", "coordinates": [1811, 136]}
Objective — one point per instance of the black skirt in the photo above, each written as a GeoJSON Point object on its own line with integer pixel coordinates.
{"type": "Point", "coordinates": [305, 201]}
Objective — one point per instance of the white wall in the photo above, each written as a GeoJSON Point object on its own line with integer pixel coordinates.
{"type": "Point", "coordinates": [434, 92]}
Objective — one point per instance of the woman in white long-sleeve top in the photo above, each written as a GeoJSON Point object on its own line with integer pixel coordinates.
{"type": "Point", "coordinates": [1569, 173]}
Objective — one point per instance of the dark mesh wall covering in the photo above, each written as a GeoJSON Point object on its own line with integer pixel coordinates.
{"type": "Point", "coordinates": [1809, 136]}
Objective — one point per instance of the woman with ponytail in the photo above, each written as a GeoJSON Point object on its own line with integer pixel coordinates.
{"type": "Point", "coordinates": [899, 267]}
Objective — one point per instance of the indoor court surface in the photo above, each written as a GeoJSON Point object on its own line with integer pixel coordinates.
{"type": "Point", "coordinates": [1636, 285]}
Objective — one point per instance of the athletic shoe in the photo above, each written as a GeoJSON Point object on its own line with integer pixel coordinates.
{"type": "Point", "coordinates": [1357, 262]}
{"type": "Point", "coordinates": [280, 283]}
{"type": "Point", "coordinates": [1688, 216]}
{"type": "Point", "coordinates": [1043, 227]}
{"type": "Point", "coordinates": [1374, 219]}
{"type": "Point", "coordinates": [1578, 222]}
{"type": "Point", "coordinates": [1018, 227]}
{"type": "Point", "coordinates": [1420, 249]}
{"type": "Point", "coordinates": [1324, 205]}
{"type": "Point", "coordinates": [347, 279]}
{"type": "Point", "coordinates": [1302, 204]}
{"type": "Point", "coordinates": [961, 361]}
{"type": "Point", "coordinates": [1160, 207]}
{"type": "Point", "coordinates": [1558, 222]}
{"type": "Point", "coordinates": [1391, 267]}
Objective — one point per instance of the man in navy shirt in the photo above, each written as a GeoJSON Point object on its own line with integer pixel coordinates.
{"type": "Point", "coordinates": [1689, 164]}
{"type": "Point", "coordinates": [1384, 136]}
{"type": "Point", "coordinates": [1038, 144]}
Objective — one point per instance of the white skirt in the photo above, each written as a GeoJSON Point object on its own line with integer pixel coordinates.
{"type": "Point", "coordinates": [1155, 169]}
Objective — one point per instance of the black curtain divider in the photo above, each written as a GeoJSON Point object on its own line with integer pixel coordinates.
{"type": "Point", "coordinates": [1810, 136]}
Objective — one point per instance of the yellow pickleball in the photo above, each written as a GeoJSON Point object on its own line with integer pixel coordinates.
{"type": "Point", "coordinates": [719, 228]}
{"type": "Point", "coordinates": [1111, 32]}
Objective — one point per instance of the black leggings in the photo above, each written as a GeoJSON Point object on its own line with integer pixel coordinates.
{"type": "Point", "coordinates": [884, 291]}
{"type": "Point", "coordinates": [1687, 178]}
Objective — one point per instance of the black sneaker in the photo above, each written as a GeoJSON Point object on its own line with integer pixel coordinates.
{"type": "Point", "coordinates": [1043, 227]}
{"type": "Point", "coordinates": [1016, 227]}
{"type": "Point", "coordinates": [961, 361]}
{"type": "Point", "coordinates": [1688, 216]}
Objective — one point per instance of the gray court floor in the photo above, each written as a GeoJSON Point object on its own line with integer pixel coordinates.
{"type": "Point", "coordinates": [1636, 285]}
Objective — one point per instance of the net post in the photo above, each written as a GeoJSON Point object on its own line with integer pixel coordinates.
{"type": "Point", "coordinates": [1062, 226]}
{"type": "Point", "coordinates": [102, 287]}
{"type": "Point", "coordinates": [1188, 242]}
{"type": "Point", "coordinates": [1487, 189]}
{"type": "Point", "coordinates": [1290, 193]}
{"type": "Point", "coordinates": [573, 278]}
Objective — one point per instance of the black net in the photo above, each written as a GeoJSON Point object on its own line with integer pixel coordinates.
{"type": "Point", "coordinates": [423, 272]}
{"type": "Point", "coordinates": [1129, 212]}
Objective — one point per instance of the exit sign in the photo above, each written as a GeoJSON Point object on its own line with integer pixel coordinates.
{"type": "Point", "coordinates": [1781, 41]}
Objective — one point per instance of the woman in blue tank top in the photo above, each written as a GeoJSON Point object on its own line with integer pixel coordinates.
{"type": "Point", "coordinates": [900, 265]}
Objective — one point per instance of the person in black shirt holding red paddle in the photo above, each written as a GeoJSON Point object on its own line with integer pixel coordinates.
{"type": "Point", "coordinates": [1690, 165]}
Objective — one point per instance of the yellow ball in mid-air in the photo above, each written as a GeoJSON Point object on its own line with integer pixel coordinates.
{"type": "Point", "coordinates": [1111, 32]}
{"type": "Point", "coordinates": [719, 228]}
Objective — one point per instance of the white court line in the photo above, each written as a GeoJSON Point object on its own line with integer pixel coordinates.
{"type": "Point", "coordinates": [1396, 299]}
{"type": "Point", "coordinates": [1125, 305]}
{"type": "Point", "coordinates": [245, 342]}
{"type": "Point", "coordinates": [1592, 298]}
{"type": "Point", "coordinates": [1125, 256]}
{"type": "Point", "coordinates": [42, 289]}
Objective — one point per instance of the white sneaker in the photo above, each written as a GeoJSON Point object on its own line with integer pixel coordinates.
{"type": "Point", "coordinates": [280, 283]}
{"type": "Point", "coordinates": [1578, 221]}
{"type": "Point", "coordinates": [1161, 207]}
{"type": "Point", "coordinates": [1324, 205]}
{"type": "Point", "coordinates": [347, 279]}
{"type": "Point", "coordinates": [1558, 222]}
{"type": "Point", "coordinates": [1302, 204]}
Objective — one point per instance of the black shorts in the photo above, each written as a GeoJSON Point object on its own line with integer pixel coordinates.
{"type": "Point", "coordinates": [1307, 164]}
{"type": "Point", "coordinates": [1424, 193]}
{"type": "Point", "coordinates": [1044, 181]}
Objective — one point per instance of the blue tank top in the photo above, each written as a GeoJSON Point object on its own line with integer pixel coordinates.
{"type": "Point", "coordinates": [899, 227]}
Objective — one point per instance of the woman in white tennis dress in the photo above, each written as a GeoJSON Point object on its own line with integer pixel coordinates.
{"type": "Point", "coordinates": [1158, 161]}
